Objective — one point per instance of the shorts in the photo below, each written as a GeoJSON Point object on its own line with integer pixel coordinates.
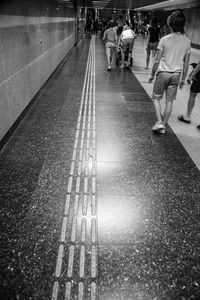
{"type": "Point", "coordinates": [109, 47]}
{"type": "Point", "coordinates": [127, 44]}
{"type": "Point", "coordinates": [152, 46]}
{"type": "Point", "coordinates": [166, 82]}
{"type": "Point", "coordinates": [195, 86]}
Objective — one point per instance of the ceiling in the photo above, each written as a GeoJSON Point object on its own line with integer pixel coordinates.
{"type": "Point", "coordinates": [116, 4]}
{"type": "Point", "coordinates": [137, 4]}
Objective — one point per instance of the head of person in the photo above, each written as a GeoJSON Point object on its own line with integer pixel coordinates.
{"type": "Point", "coordinates": [121, 17]}
{"type": "Point", "coordinates": [111, 24]}
{"type": "Point", "coordinates": [154, 22]}
{"type": "Point", "coordinates": [126, 26]}
{"type": "Point", "coordinates": [176, 21]}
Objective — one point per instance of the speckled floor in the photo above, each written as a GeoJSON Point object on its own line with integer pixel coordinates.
{"type": "Point", "coordinates": [101, 208]}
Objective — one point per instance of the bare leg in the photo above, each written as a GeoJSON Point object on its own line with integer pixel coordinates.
{"type": "Point", "coordinates": [129, 58]}
{"type": "Point", "coordinates": [167, 112]}
{"type": "Point", "coordinates": [191, 102]}
{"type": "Point", "coordinates": [158, 110]}
{"type": "Point", "coordinates": [147, 59]}
{"type": "Point", "coordinates": [123, 58]}
{"type": "Point", "coordinates": [108, 55]}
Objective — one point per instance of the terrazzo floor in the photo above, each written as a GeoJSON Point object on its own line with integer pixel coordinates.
{"type": "Point", "coordinates": [93, 204]}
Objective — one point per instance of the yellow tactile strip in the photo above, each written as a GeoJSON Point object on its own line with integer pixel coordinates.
{"type": "Point", "coordinates": [81, 190]}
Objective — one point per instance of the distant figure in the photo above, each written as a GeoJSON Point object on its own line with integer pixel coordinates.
{"type": "Point", "coordinates": [120, 25]}
{"type": "Point", "coordinates": [152, 41]}
{"type": "Point", "coordinates": [100, 28]}
{"type": "Point", "coordinates": [110, 39]}
{"type": "Point", "coordinates": [194, 77]}
{"type": "Point", "coordinates": [88, 26]}
{"type": "Point", "coordinates": [171, 64]}
{"type": "Point", "coordinates": [95, 27]}
{"type": "Point", "coordinates": [127, 37]}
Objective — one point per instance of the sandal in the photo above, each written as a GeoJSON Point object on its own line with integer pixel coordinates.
{"type": "Point", "coordinates": [182, 119]}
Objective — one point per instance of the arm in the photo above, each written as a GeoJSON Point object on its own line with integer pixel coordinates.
{"type": "Point", "coordinates": [156, 64]}
{"type": "Point", "coordinates": [104, 35]}
{"type": "Point", "coordinates": [116, 40]}
{"type": "Point", "coordinates": [185, 69]}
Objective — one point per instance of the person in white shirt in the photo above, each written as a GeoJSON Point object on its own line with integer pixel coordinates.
{"type": "Point", "coordinates": [171, 64]}
{"type": "Point", "coordinates": [127, 37]}
{"type": "Point", "coordinates": [110, 39]}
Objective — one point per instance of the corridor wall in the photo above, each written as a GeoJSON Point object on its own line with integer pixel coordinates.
{"type": "Point", "coordinates": [35, 36]}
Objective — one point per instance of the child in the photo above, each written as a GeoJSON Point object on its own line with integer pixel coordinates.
{"type": "Point", "coordinates": [194, 77]}
{"type": "Point", "coordinates": [172, 60]}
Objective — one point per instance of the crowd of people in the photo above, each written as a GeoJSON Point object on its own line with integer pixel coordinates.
{"type": "Point", "coordinates": [170, 54]}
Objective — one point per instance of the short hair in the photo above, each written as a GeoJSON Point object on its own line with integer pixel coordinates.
{"type": "Point", "coordinates": [177, 21]}
{"type": "Point", "coordinates": [111, 23]}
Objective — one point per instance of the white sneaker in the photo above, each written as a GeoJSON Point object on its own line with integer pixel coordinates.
{"type": "Point", "coordinates": [162, 130]}
{"type": "Point", "coordinates": [159, 127]}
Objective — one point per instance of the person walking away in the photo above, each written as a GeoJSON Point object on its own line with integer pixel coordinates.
{"type": "Point", "coordinates": [194, 77]}
{"type": "Point", "coordinates": [171, 64]}
{"type": "Point", "coordinates": [120, 25]}
{"type": "Point", "coordinates": [95, 27]}
{"type": "Point", "coordinates": [110, 39]}
{"type": "Point", "coordinates": [152, 41]}
{"type": "Point", "coordinates": [127, 38]}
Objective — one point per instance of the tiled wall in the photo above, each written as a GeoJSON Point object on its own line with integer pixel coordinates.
{"type": "Point", "coordinates": [34, 38]}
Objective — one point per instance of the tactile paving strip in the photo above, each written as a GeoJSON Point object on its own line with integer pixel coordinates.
{"type": "Point", "coordinates": [76, 264]}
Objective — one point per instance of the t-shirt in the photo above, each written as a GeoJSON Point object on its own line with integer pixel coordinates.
{"type": "Point", "coordinates": [127, 34]}
{"type": "Point", "coordinates": [154, 34]}
{"type": "Point", "coordinates": [174, 46]}
{"type": "Point", "coordinates": [110, 35]}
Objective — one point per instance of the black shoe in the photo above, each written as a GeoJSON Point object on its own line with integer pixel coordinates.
{"type": "Point", "coordinates": [198, 127]}
{"type": "Point", "coordinates": [182, 119]}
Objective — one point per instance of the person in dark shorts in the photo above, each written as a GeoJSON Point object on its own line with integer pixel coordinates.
{"type": "Point", "coordinates": [194, 77]}
{"type": "Point", "coordinates": [152, 41]}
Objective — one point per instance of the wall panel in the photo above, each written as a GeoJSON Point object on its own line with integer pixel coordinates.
{"type": "Point", "coordinates": [35, 36]}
